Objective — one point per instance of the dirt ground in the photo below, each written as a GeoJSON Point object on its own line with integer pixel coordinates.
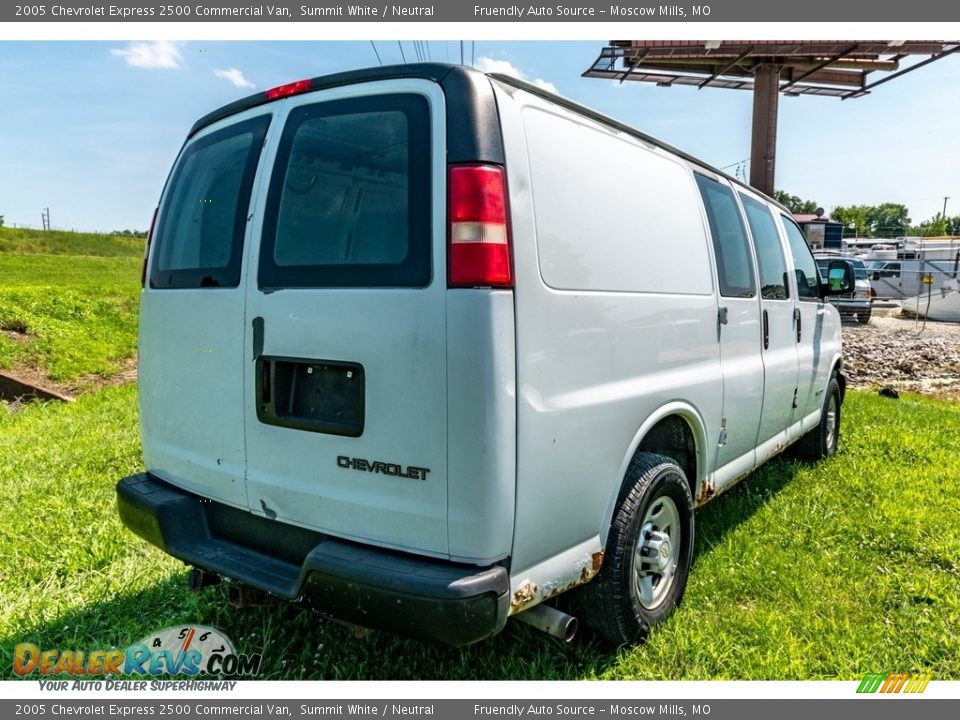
{"type": "Point", "coordinates": [904, 354]}
{"type": "Point", "coordinates": [127, 372]}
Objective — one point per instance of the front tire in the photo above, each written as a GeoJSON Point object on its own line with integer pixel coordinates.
{"type": "Point", "coordinates": [821, 442]}
{"type": "Point", "coordinates": [648, 553]}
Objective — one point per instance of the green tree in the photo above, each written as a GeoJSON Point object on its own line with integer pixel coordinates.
{"type": "Point", "coordinates": [889, 220]}
{"type": "Point", "coordinates": [953, 225]}
{"type": "Point", "coordinates": [882, 221]}
{"type": "Point", "coordinates": [1, 220]}
{"type": "Point", "coordinates": [935, 226]}
{"type": "Point", "coordinates": [795, 204]}
{"type": "Point", "coordinates": [856, 215]}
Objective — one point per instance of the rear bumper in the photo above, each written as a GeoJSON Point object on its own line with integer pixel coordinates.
{"type": "Point", "coordinates": [413, 596]}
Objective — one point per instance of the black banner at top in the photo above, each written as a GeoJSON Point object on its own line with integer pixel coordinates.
{"type": "Point", "coordinates": [480, 11]}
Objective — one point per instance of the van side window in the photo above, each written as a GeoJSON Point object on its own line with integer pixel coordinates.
{"type": "Point", "coordinates": [199, 237]}
{"type": "Point", "coordinates": [766, 241]}
{"type": "Point", "coordinates": [734, 265]}
{"type": "Point", "coordinates": [349, 203]}
{"type": "Point", "coordinates": [804, 266]}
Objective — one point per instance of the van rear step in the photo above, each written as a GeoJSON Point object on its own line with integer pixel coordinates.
{"type": "Point", "coordinates": [413, 596]}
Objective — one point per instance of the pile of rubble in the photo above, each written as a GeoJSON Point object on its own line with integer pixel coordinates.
{"type": "Point", "coordinates": [903, 354]}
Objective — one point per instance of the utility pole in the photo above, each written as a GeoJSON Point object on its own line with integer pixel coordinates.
{"type": "Point", "coordinates": [45, 216]}
{"type": "Point", "coordinates": [945, 198]}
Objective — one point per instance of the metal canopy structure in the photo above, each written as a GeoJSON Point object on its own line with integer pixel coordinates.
{"type": "Point", "coordinates": [834, 68]}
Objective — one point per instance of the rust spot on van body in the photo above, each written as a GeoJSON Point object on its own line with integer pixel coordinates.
{"type": "Point", "coordinates": [529, 594]}
{"type": "Point", "coordinates": [707, 491]}
{"type": "Point", "coordinates": [523, 596]}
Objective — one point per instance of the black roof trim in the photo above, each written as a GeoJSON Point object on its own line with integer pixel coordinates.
{"type": "Point", "coordinates": [473, 127]}
{"type": "Point", "coordinates": [623, 127]}
{"type": "Point", "coordinates": [427, 71]}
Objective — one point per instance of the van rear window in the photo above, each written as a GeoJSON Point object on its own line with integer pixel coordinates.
{"type": "Point", "coordinates": [199, 237]}
{"type": "Point", "coordinates": [349, 199]}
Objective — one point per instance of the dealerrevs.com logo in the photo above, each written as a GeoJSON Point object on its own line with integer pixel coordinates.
{"type": "Point", "coordinates": [190, 650]}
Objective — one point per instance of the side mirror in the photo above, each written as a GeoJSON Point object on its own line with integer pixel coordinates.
{"type": "Point", "coordinates": [840, 279]}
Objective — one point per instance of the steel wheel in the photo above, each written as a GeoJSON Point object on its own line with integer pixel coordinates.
{"type": "Point", "coordinates": [657, 552]}
{"type": "Point", "coordinates": [822, 441]}
{"type": "Point", "coordinates": [648, 553]}
{"type": "Point", "coordinates": [830, 423]}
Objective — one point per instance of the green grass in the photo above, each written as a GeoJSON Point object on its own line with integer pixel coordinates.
{"type": "Point", "coordinates": [802, 572]}
{"type": "Point", "coordinates": [70, 319]}
{"type": "Point", "coordinates": [64, 242]}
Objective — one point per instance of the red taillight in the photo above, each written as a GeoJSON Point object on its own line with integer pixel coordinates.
{"type": "Point", "coordinates": [146, 249]}
{"type": "Point", "coordinates": [479, 240]}
{"type": "Point", "coordinates": [289, 89]}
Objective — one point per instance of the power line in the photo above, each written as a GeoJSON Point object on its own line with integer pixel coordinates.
{"type": "Point", "coordinates": [735, 164]}
{"type": "Point", "coordinates": [402, 54]}
{"type": "Point", "coordinates": [375, 52]}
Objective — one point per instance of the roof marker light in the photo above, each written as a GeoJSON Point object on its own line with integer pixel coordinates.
{"type": "Point", "coordinates": [289, 89]}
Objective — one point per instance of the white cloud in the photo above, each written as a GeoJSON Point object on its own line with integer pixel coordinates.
{"type": "Point", "coordinates": [235, 76]}
{"type": "Point", "coordinates": [505, 67]}
{"type": "Point", "coordinates": [157, 54]}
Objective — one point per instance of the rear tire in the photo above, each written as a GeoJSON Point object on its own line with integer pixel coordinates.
{"type": "Point", "coordinates": [648, 553]}
{"type": "Point", "coordinates": [821, 442]}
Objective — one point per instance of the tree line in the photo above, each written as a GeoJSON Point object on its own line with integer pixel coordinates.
{"type": "Point", "coordinates": [886, 220]}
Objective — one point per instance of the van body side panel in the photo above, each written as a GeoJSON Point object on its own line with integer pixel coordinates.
{"type": "Point", "coordinates": [612, 321]}
{"type": "Point", "coordinates": [331, 289]}
{"type": "Point", "coordinates": [482, 423]}
{"type": "Point", "coordinates": [193, 432]}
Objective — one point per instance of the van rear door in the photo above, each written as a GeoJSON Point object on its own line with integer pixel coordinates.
{"type": "Point", "coordinates": [192, 340]}
{"type": "Point", "coordinates": [345, 352]}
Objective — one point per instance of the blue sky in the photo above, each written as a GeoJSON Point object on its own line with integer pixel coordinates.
{"type": "Point", "coordinates": [90, 129]}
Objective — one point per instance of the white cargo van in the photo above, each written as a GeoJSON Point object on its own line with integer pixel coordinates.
{"type": "Point", "coordinates": [426, 348]}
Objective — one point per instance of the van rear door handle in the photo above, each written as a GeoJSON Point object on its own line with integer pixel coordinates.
{"type": "Point", "coordinates": [257, 337]}
{"type": "Point", "coordinates": [766, 330]}
{"type": "Point", "coordinates": [797, 316]}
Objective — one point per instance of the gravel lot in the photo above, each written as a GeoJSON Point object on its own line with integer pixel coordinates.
{"type": "Point", "coordinates": [903, 354]}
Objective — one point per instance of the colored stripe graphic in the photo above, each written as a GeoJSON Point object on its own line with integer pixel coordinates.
{"type": "Point", "coordinates": [871, 682]}
{"type": "Point", "coordinates": [894, 683]}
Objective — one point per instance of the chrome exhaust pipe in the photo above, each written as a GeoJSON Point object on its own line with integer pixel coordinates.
{"type": "Point", "coordinates": [551, 621]}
